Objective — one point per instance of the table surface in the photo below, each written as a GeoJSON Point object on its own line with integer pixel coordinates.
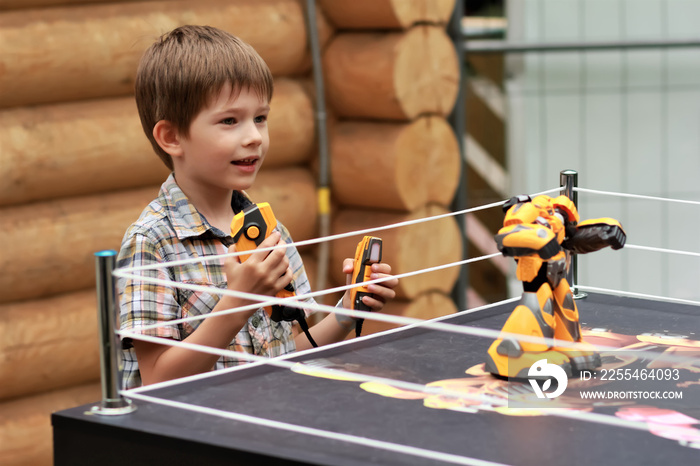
{"type": "Point", "coordinates": [666, 431]}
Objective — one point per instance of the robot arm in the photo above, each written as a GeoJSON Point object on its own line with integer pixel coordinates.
{"type": "Point", "coordinates": [593, 235]}
{"type": "Point", "coordinates": [526, 240]}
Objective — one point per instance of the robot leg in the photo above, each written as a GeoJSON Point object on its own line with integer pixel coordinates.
{"type": "Point", "coordinates": [568, 328]}
{"type": "Point", "coordinates": [533, 316]}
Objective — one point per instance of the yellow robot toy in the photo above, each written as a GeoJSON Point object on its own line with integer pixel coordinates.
{"type": "Point", "coordinates": [537, 233]}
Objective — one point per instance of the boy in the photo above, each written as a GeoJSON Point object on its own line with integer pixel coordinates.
{"type": "Point", "coordinates": [203, 97]}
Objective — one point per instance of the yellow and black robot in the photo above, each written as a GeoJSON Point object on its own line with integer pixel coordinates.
{"type": "Point", "coordinates": [536, 233]}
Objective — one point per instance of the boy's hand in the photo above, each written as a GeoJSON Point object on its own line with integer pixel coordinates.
{"type": "Point", "coordinates": [382, 292]}
{"type": "Point", "coordinates": [264, 272]}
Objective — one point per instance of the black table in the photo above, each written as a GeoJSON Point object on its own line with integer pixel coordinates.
{"type": "Point", "coordinates": [157, 434]}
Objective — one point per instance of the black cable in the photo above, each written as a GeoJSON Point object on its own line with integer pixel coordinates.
{"type": "Point", "coordinates": [290, 314]}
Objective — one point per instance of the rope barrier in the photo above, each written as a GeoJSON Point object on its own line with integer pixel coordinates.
{"type": "Point", "coordinates": [635, 196]}
{"type": "Point", "coordinates": [310, 242]}
{"type": "Point", "coordinates": [300, 301]}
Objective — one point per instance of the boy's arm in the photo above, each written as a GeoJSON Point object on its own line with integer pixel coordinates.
{"type": "Point", "coordinates": [144, 303]}
{"type": "Point", "coordinates": [263, 273]}
{"type": "Point", "coordinates": [335, 327]}
{"type": "Point", "coordinates": [158, 363]}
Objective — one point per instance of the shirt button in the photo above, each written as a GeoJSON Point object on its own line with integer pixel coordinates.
{"type": "Point", "coordinates": [255, 321]}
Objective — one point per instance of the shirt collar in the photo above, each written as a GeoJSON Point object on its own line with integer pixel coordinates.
{"type": "Point", "coordinates": [187, 222]}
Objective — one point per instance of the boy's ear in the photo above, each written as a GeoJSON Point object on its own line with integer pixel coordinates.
{"type": "Point", "coordinates": [168, 137]}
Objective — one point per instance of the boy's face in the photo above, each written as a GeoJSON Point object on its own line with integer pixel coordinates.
{"type": "Point", "coordinates": [227, 141]}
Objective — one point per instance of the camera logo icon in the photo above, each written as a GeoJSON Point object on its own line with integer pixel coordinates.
{"type": "Point", "coordinates": [541, 370]}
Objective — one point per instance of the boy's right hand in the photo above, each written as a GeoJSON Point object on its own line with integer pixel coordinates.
{"type": "Point", "coordinates": [264, 272]}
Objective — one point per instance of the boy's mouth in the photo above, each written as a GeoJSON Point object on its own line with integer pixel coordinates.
{"type": "Point", "coordinates": [246, 162]}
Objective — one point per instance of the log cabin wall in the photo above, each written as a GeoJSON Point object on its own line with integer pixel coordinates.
{"type": "Point", "coordinates": [77, 169]}
{"type": "Point", "coordinates": [391, 76]}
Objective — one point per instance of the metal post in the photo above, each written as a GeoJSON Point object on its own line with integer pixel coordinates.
{"type": "Point", "coordinates": [324, 183]}
{"type": "Point", "coordinates": [504, 46]}
{"type": "Point", "coordinates": [112, 401]}
{"type": "Point", "coordinates": [568, 179]}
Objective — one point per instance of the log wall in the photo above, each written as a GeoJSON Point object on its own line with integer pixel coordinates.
{"type": "Point", "coordinates": [76, 148]}
{"type": "Point", "coordinates": [92, 51]}
{"type": "Point", "coordinates": [392, 79]}
{"type": "Point", "coordinates": [77, 169]}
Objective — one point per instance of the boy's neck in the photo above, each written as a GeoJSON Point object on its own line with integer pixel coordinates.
{"type": "Point", "coordinates": [213, 203]}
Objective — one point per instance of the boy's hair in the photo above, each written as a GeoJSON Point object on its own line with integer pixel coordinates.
{"type": "Point", "coordinates": [187, 66]}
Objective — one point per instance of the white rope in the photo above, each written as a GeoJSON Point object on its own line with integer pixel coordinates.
{"type": "Point", "coordinates": [429, 324]}
{"type": "Point", "coordinates": [635, 196]}
{"type": "Point", "coordinates": [389, 446]}
{"type": "Point", "coordinates": [123, 273]}
{"type": "Point", "coordinates": [264, 300]}
{"type": "Point", "coordinates": [353, 439]}
{"type": "Point", "coordinates": [357, 377]}
{"type": "Point", "coordinates": [638, 295]}
{"type": "Point", "coordinates": [191, 378]}
{"type": "Point", "coordinates": [362, 378]}
{"type": "Point", "coordinates": [282, 363]}
{"type": "Point", "coordinates": [309, 242]}
{"type": "Point", "coordinates": [433, 324]}
{"type": "Point", "coordinates": [366, 231]}
{"type": "Point", "coordinates": [667, 251]}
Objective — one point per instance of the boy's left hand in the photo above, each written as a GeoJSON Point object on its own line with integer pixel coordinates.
{"type": "Point", "coordinates": [382, 292]}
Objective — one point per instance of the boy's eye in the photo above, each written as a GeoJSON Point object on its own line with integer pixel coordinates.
{"type": "Point", "coordinates": [261, 119]}
{"type": "Point", "coordinates": [228, 121]}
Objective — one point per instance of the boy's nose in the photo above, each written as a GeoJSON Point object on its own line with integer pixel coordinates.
{"type": "Point", "coordinates": [253, 136]}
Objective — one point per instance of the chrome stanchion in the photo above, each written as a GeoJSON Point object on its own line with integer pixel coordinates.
{"type": "Point", "coordinates": [568, 179]}
{"type": "Point", "coordinates": [113, 403]}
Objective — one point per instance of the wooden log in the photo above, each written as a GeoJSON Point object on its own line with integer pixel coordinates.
{"type": "Point", "coordinates": [406, 249]}
{"type": "Point", "coordinates": [26, 4]}
{"type": "Point", "coordinates": [396, 76]}
{"type": "Point", "coordinates": [93, 51]}
{"type": "Point", "coordinates": [291, 124]}
{"type": "Point", "coordinates": [398, 166]}
{"type": "Point", "coordinates": [75, 149]}
{"type": "Point", "coordinates": [386, 14]}
{"type": "Point", "coordinates": [428, 305]}
{"type": "Point", "coordinates": [53, 242]}
{"type": "Point", "coordinates": [48, 344]}
{"type": "Point", "coordinates": [26, 437]}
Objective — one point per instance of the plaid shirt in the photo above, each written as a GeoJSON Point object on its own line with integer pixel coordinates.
{"type": "Point", "coordinates": [170, 229]}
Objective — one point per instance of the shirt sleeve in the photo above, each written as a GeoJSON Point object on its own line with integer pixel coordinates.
{"type": "Point", "coordinates": [144, 303]}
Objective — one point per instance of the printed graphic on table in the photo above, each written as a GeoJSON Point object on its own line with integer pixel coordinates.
{"type": "Point", "coordinates": [658, 392]}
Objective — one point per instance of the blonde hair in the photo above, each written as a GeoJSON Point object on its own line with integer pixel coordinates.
{"type": "Point", "coordinates": [186, 67]}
